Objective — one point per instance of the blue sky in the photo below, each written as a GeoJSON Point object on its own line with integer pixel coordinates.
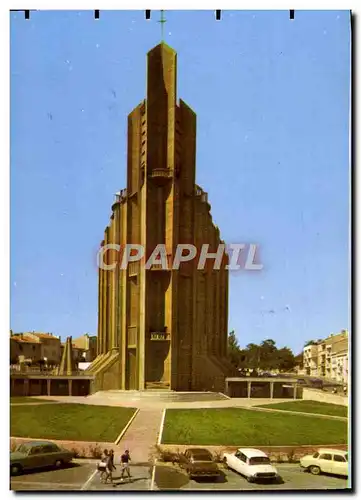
{"type": "Point", "coordinates": [272, 103]}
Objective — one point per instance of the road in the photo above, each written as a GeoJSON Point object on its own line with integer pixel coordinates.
{"type": "Point", "coordinates": [82, 475]}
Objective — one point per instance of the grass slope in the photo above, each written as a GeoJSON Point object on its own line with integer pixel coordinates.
{"type": "Point", "coordinates": [238, 427]}
{"type": "Point", "coordinates": [77, 422]}
{"type": "Point", "coordinates": [310, 407]}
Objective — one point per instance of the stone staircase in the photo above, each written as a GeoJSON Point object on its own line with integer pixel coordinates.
{"type": "Point", "coordinates": [157, 385]}
{"type": "Point", "coordinates": [165, 395]}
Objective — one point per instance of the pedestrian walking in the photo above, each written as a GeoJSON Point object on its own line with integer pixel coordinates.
{"type": "Point", "coordinates": [102, 466]}
{"type": "Point", "coordinates": [124, 460]}
{"type": "Point", "coordinates": [110, 467]}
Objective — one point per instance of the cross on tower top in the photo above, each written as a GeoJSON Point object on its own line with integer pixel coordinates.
{"type": "Point", "coordinates": [162, 21]}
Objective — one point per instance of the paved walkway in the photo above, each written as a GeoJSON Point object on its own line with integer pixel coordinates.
{"type": "Point", "coordinates": [153, 404]}
{"type": "Point", "coordinates": [303, 413]}
{"type": "Point", "coordinates": [142, 436]}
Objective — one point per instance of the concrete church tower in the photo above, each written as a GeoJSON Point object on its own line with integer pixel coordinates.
{"type": "Point", "coordinates": [162, 328]}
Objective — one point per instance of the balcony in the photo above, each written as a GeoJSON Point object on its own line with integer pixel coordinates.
{"type": "Point", "coordinates": [160, 175]}
{"type": "Point", "coordinates": [159, 267]}
{"type": "Point", "coordinates": [120, 196]}
{"type": "Point", "coordinates": [133, 268]}
{"type": "Point", "coordinates": [159, 336]}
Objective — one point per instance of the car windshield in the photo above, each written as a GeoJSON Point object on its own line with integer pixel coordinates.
{"type": "Point", "coordinates": [202, 458]}
{"type": "Point", "coordinates": [259, 460]}
{"type": "Point", "coordinates": [22, 448]}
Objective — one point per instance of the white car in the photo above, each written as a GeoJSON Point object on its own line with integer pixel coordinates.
{"type": "Point", "coordinates": [251, 463]}
{"type": "Point", "coordinates": [326, 460]}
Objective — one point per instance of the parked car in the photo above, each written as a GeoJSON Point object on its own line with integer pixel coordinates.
{"type": "Point", "coordinates": [326, 460]}
{"type": "Point", "coordinates": [34, 454]}
{"type": "Point", "coordinates": [199, 462]}
{"type": "Point", "coordinates": [251, 463]}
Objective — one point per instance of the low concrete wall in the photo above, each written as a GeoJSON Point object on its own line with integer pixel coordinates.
{"type": "Point", "coordinates": [50, 385]}
{"type": "Point", "coordinates": [276, 453]}
{"type": "Point", "coordinates": [324, 397]}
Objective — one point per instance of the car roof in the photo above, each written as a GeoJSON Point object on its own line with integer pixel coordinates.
{"type": "Point", "coordinates": [331, 450]}
{"type": "Point", "coordinates": [252, 452]}
{"type": "Point", "coordinates": [37, 443]}
{"type": "Point", "coordinates": [198, 451]}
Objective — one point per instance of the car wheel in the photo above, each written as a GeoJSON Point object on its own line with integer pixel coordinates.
{"type": "Point", "coordinates": [314, 469]}
{"type": "Point", "coordinates": [15, 469]}
{"type": "Point", "coordinates": [58, 464]}
{"type": "Point", "coordinates": [250, 479]}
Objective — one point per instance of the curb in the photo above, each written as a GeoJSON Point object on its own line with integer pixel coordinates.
{"type": "Point", "coordinates": [153, 475]}
{"type": "Point", "coordinates": [116, 442]}
{"type": "Point", "coordinates": [161, 427]}
{"type": "Point", "coordinates": [303, 413]}
{"type": "Point", "coordinates": [225, 395]}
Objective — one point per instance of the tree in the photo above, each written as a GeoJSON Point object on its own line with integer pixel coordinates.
{"type": "Point", "coordinates": [286, 359]}
{"type": "Point", "coordinates": [310, 342]}
{"type": "Point", "coordinates": [252, 356]}
{"type": "Point", "coordinates": [233, 349]}
{"type": "Point", "coordinates": [268, 357]}
{"type": "Point", "coordinates": [299, 360]}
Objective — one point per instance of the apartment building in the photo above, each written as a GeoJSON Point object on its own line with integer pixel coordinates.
{"type": "Point", "coordinates": [24, 350]}
{"type": "Point", "coordinates": [35, 347]}
{"type": "Point", "coordinates": [339, 360]}
{"type": "Point", "coordinates": [87, 345]}
{"type": "Point", "coordinates": [328, 358]}
{"type": "Point", "coordinates": [49, 345]}
{"type": "Point", "coordinates": [310, 357]}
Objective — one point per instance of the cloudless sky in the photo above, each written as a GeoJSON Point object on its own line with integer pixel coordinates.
{"type": "Point", "coordinates": [272, 103]}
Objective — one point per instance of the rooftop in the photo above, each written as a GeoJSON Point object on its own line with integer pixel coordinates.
{"type": "Point", "coordinates": [42, 335]}
{"type": "Point", "coordinates": [252, 452]}
{"type": "Point", "coordinates": [331, 450]}
{"type": "Point", "coordinates": [22, 340]}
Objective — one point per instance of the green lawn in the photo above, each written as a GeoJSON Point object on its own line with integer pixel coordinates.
{"type": "Point", "coordinates": [310, 407]}
{"type": "Point", "coordinates": [238, 427]}
{"type": "Point", "coordinates": [78, 422]}
{"type": "Point", "coordinates": [25, 400]}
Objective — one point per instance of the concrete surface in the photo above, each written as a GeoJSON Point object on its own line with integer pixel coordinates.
{"type": "Point", "coordinates": [150, 403]}
{"type": "Point", "coordinates": [142, 435]}
{"type": "Point", "coordinates": [83, 475]}
{"type": "Point", "coordinates": [293, 478]}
